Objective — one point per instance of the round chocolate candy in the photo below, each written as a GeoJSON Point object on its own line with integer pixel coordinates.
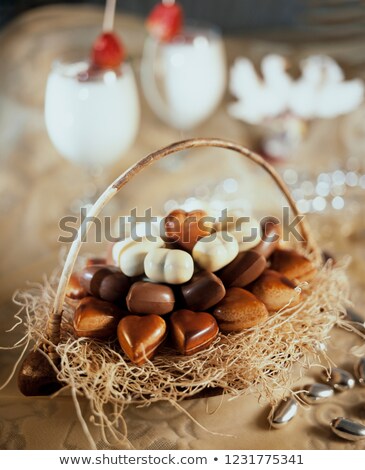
{"type": "Point", "coordinates": [243, 270]}
{"type": "Point", "coordinates": [106, 282]}
{"type": "Point", "coordinates": [150, 298]}
{"type": "Point", "coordinates": [203, 291]}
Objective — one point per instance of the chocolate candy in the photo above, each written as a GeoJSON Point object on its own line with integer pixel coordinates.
{"type": "Point", "coordinates": [106, 282]}
{"type": "Point", "coordinates": [37, 376]}
{"type": "Point", "coordinates": [271, 234]}
{"type": "Point", "coordinates": [246, 230]}
{"type": "Point", "coordinates": [243, 270]}
{"type": "Point", "coordinates": [170, 266]}
{"type": "Point", "coordinates": [216, 251]}
{"type": "Point", "coordinates": [74, 289]}
{"type": "Point", "coordinates": [186, 228]}
{"type": "Point", "coordinates": [193, 331]}
{"type": "Point", "coordinates": [239, 310]}
{"type": "Point", "coordinates": [293, 265]}
{"type": "Point", "coordinates": [139, 337]}
{"type": "Point", "coordinates": [275, 290]}
{"type": "Point", "coordinates": [96, 261]}
{"type": "Point", "coordinates": [150, 298]}
{"type": "Point", "coordinates": [203, 291]}
{"type": "Point", "coordinates": [95, 318]}
{"type": "Point", "coordinates": [129, 254]}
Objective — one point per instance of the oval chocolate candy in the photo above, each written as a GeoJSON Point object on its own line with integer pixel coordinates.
{"type": "Point", "coordinates": [316, 393]}
{"type": "Point", "coordinates": [203, 291]}
{"type": "Point", "coordinates": [348, 429]}
{"type": "Point", "coordinates": [359, 370]}
{"type": "Point", "coordinates": [243, 270]}
{"type": "Point", "coordinates": [339, 379]}
{"type": "Point", "coordinates": [271, 234]}
{"type": "Point", "coordinates": [150, 298]}
{"type": "Point", "coordinates": [106, 282]}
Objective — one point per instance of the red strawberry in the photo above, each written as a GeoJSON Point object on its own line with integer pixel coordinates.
{"type": "Point", "coordinates": [165, 21]}
{"type": "Point", "coordinates": [107, 51]}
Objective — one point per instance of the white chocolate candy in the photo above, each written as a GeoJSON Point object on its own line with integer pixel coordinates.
{"type": "Point", "coordinates": [170, 266]}
{"type": "Point", "coordinates": [129, 254]}
{"type": "Point", "coordinates": [246, 230]}
{"type": "Point", "coordinates": [247, 234]}
{"type": "Point", "coordinates": [216, 251]}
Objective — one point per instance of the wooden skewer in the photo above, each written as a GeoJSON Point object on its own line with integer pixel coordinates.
{"type": "Point", "coordinates": [109, 14]}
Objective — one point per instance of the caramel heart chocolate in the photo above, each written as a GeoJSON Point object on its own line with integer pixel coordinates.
{"type": "Point", "coordinates": [95, 318]}
{"type": "Point", "coordinates": [243, 270]}
{"type": "Point", "coordinates": [275, 290]}
{"type": "Point", "coordinates": [193, 331]}
{"type": "Point", "coordinates": [74, 289]}
{"type": "Point", "coordinates": [271, 234]}
{"type": "Point", "coordinates": [203, 291]}
{"type": "Point", "coordinates": [139, 337]}
{"type": "Point", "coordinates": [150, 298]}
{"type": "Point", "coordinates": [239, 310]}
{"type": "Point", "coordinates": [106, 282]}
{"type": "Point", "coordinates": [186, 228]}
{"type": "Point", "coordinates": [293, 265]}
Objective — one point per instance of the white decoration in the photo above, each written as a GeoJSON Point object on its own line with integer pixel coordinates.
{"type": "Point", "coordinates": [320, 92]}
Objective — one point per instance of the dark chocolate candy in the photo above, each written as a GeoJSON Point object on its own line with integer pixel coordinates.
{"type": "Point", "coordinates": [203, 291]}
{"type": "Point", "coordinates": [74, 289]}
{"type": "Point", "coordinates": [193, 331]}
{"type": "Point", "coordinates": [106, 282]}
{"type": "Point", "coordinates": [244, 269]}
{"type": "Point", "coordinates": [150, 298]}
{"type": "Point", "coordinates": [95, 318]}
{"type": "Point", "coordinates": [139, 337]}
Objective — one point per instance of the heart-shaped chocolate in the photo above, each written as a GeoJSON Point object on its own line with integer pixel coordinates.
{"type": "Point", "coordinates": [193, 331]}
{"type": "Point", "coordinates": [95, 318]}
{"type": "Point", "coordinates": [186, 228]}
{"type": "Point", "coordinates": [239, 310]}
{"type": "Point", "coordinates": [139, 337]}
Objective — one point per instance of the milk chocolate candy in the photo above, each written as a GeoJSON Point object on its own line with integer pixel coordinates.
{"type": "Point", "coordinates": [216, 251]}
{"type": "Point", "coordinates": [150, 298]}
{"type": "Point", "coordinates": [246, 230]}
{"type": "Point", "coordinates": [271, 234]}
{"type": "Point", "coordinates": [139, 337]}
{"type": "Point", "coordinates": [203, 291]}
{"type": "Point", "coordinates": [243, 270]}
{"type": "Point", "coordinates": [74, 289]}
{"type": "Point", "coordinates": [275, 290]}
{"type": "Point", "coordinates": [186, 228]}
{"type": "Point", "coordinates": [95, 318]}
{"type": "Point", "coordinates": [106, 282]}
{"type": "Point", "coordinates": [239, 310]}
{"type": "Point", "coordinates": [96, 261]}
{"type": "Point", "coordinates": [293, 265]}
{"type": "Point", "coordinates": [193, 331]}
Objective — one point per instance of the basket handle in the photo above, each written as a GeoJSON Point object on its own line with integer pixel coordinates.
{"type": "Point", "coordinates": [54, 323]}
